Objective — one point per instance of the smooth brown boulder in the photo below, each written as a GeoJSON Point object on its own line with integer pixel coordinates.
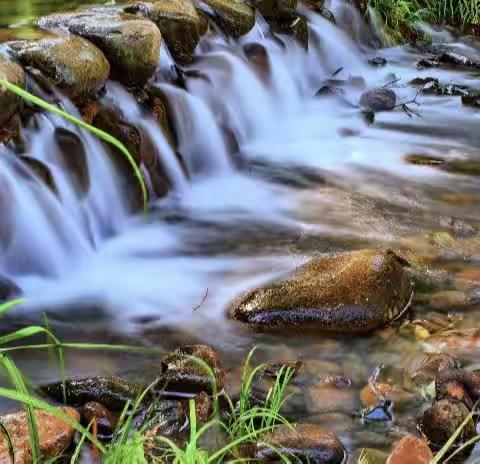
{"type": "Point", "coordinates": [131, 44]}
{"type": "Point", "coordinates": [411, 450]}
{"type": "Point", "coordinates": [69, 62]}
{"type": "Point", "coordinates": [347, 292]}
{"type": "Point", "coordinates": [9, 102]}
{"type": "Point", "coordinates": [93, 412]}
{"type": "Point", "coordinates": [305, 442]}
{"type": "Point", "coordinates": [178, 22]}
{"type": "Point", "coordinates": [370, 397]}
{"type": "Point", "coordinates": [234, 16]}
{"type": "Point", "coordinates": [54, 435]}
{"type": "Point", "coordinates": [380, 99]}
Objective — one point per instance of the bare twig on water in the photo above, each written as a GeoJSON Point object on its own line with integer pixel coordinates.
{"type": "Point", "coordinates": [201, 303]}
{"type": "Point", "coordinates": [338, 71]}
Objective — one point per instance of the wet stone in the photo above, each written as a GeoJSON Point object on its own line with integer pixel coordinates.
{"type": "Point", "coordinates": [348, 292]}
{"type": "Point", "coordinates": [439, 422]}
{"type": "Point", "coordinates": [453, 58]}
{"type": "Point", "coordinates": [276, 9]}
{"type": "Point", "coordinates": [9, 102]}
{"type": "Point", "coordinates": [74, 157]}
{"type": "Point", "coordinates": [54, 435]}
{"type": "Point", "coordinates": [305, 442]}
{"type": "Point", "coordinates": [370, 396]}
{"type": "Point", "coordinates": [471, 99]}
{"type": "Point", "coordinates": [111, 392]}
{"type": "Point", "coordinates": [131, 44]}
{"type": "Point", "coordinates": [8, 289]}
{"type": "Point", "coordinates": [42, 171]}
{"type": "Point", "coordinates": [70, 63]}
{"type": "Point", "coordinates": [166, 419]}
{"type": "Point", "coordinates": [378, 61]}
{"type": "Point", "coordinates": [425, 367]}
{"type": "Point", "coordinates": [188, 369]}
{"type": "Point", "coordinates": [380, 99]}
{"type": "Point", "coordinates": [428, 63]}
{"type": "Point", "coordinates": [411, 450]}
{"type": "Point", "coordinates": [103, 418]}
{"type": "Point", "coordinates": [296, 27]}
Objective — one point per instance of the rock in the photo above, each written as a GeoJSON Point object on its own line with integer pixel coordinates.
{"type": "Point", "coordinates": [203, 407]}
{"type": "Point", "coordinates": [472, 99]}
{"type": "Point", "coordinates": [378, 61]}
{"type": "Point", "coordinates": [131, 44]}
{"type": "Point", "coordinates": [185, 370]}
{"type": "Point", "coordinates": [258, 56]}
{"type": "Point", "coordinates": [439, 422]}
{"type": "Point", "coordinates": [234, 16]}
{"type": "Point", "coordinates": [425, 367]}
{"type": "Point", "coordinates": [370, 398]}
{"type": "Point", "coordinates": [379, 99]}
{"type": "Point", "coordinates": [54, 435]}
{"type": "Point", "coordinates": [9, 102]}
{"type": "Point", "coordinates": [274, 370]}
{"type": "Point", "coordinates": [304, 442]}
{"type": "Point", "coordinates": [111, 392]}
{"type": "Point", "coordinates": [410, 449]}
{"type": "Point", "coordinates": [347, 292]}
{"type": "Point", "coordinates": [102, 417]}
{"type": "Point", "coordinates": [70, 63]}
{"type": "Point", "coordinates": [459, 384]}
{"type": "Point", "coordinates": [276, 9]}
{"type": "Point", "coordinates": [42, 171]}
{"type": "Point", "coordinates": [178, 22]}
{"type": "Point", "coordinates": [74, 157]}
{"type": "Point", "coordinates": [424, 160]}
{"type": "Point", "coordinates": [296, 27]}
{"type": "Point", "coordinates": [168, 418]}
{"type": "Point", "coordinates": [428, 63]}
{"type": "Point", "coordinates": [457, 59]}
{"type": "Point", "coordinates": [9, 290]}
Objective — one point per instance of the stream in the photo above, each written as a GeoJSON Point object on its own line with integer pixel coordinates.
{"type": "Point", "coordinates": [307, 175]}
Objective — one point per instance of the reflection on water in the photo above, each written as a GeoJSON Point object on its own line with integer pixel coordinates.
{"type": "Point", "coordinates": [315, 177]}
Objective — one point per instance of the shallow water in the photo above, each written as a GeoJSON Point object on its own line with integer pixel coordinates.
{"type": "Point", "coordinates": [314, 178]}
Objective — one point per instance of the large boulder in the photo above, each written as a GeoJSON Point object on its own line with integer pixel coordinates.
{"type": "Point", "coordinates": [54, 435]}
{"type": "Point", "coordinates": [410, 449]}
{"type": "Point", "coordinates": [178, 22]}
{"type": "Point", "coordinates": [131, 44]}
{"type": "Point", "coordinates": [380, 99]}
{"type": "Point", "coordinates": [348, 292]}
{"type": "Point", "coordinates": [13, 73]}
{"type": "Point", "coordinates": [234, 16]}
{"type": "Point", "coordinates": [70, 62]}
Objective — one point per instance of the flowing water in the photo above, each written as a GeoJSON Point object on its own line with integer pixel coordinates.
{"type": "Point", "coordinates": [308, 175]}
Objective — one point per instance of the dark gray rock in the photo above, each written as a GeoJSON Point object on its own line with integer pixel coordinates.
{"type": "Point", "coordinates": [380, 99]}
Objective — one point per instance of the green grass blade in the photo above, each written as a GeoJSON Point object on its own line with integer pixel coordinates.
{"type": "Point", "coordinates": [19, 384]}
{"type": "Point", "coordinates": [94, 130]}
{"type": "Point", "coordinates": [5, 433]}
{"type": "Point", "coordinates": [10, 304]}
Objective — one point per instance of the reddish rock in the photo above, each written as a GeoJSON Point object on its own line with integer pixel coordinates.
{"type": "Point", "coordinates": [411, 450]}
{"type": "Point", "coordinates": [54, 435]}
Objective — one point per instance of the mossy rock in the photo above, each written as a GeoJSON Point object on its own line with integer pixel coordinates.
{"type": "Point", "coordinates": [178, 22]}
{"type": "Point", "coordinates": [131, 44]}
{"type": "Point", "coordinates": [9, 102]}
{"type": "Point", "coordinates": [234, 16]}
{"type": "Point", "coordinates": [69, 62]}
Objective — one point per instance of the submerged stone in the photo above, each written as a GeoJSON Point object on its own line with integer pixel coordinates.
{"type": "Point", "coordinates": [380, 99]}
{"type": "Point", "coordinates": [8, 289]}
{"type": "Point", "coordinates": [234, 16]}
{"type": "Point", "coordinates": [42, 171]}
{"type": "Point", "coordinates": [178, 22]}
{"type": "Point", "coordinates": [111, 392]}
{"type": "Point", "coordinates": [347, 292]}
{"type": "Point", "coordinates": [303, 442]}
{"type": "Point", "coordinates": [70, 63]}
{"type": "Point", "coordinates": [9, 102]}
{"type": "Point", "coordinates": [296, 27]}
{"type": "Point", "coordinates": [54, 435]}
{"type": "Point", "coordinates": [131, 44]}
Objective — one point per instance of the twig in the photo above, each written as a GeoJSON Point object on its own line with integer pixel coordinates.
{"type": "Point", "coordinates": [201, 303]}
